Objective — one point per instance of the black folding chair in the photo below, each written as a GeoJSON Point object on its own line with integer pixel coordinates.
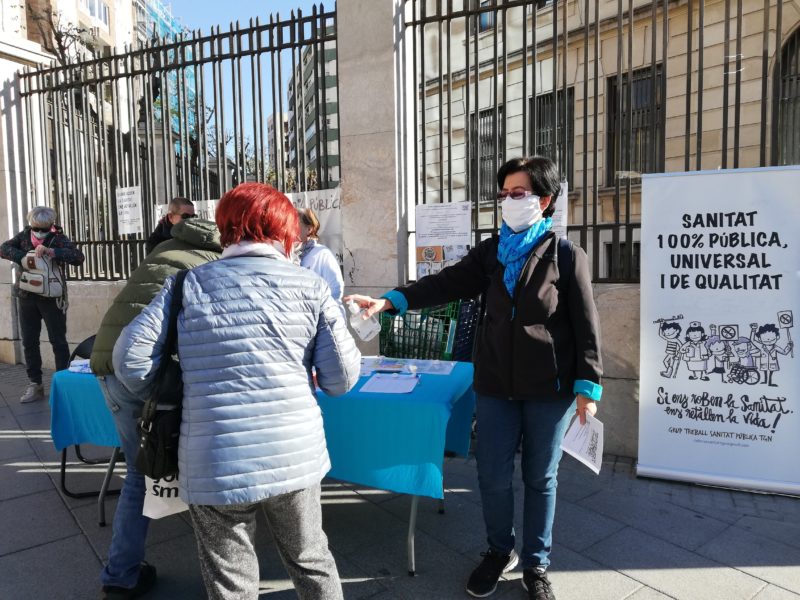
{"type": "Point", "coordinates": [84, 350]}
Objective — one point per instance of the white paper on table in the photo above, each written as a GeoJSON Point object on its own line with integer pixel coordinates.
{"type": "Point", "coordinates": [390, 383]}
{"type": "Point", "coordinates": [585, 442]}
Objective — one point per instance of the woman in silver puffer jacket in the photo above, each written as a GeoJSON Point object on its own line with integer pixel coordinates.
{"type": "Point", "coordinates": [253, 325]}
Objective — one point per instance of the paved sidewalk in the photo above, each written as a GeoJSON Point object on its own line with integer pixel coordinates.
{"type": "Point", "coordinates": [616, 537]}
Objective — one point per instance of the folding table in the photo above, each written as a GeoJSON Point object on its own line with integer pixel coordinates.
{"type": "Point", "coordinates": [397, 442]}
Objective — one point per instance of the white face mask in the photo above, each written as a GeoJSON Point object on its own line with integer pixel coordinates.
{"type": "Point", "coordinates": [520, 214]}
{"type": "Point", "coordinates": [40, 235]}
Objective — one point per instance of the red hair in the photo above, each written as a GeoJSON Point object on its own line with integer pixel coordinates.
{"type": "Point", "coordinates": [257, 212]}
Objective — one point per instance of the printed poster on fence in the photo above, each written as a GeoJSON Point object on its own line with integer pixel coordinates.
{"type": "Point", "coordinates": [560, 216]}
{"type": "Point", "coordinates": [443, 235]}
{"type": "Point", "coordinates": [129, 210]}
{"type": "Point", "coordinates": [720, 372]}
{"type": "Point", "coordinates": [327, 205]}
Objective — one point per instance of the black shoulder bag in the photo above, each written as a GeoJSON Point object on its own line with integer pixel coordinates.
{"type": "Point", "coordinates": [160, 424]}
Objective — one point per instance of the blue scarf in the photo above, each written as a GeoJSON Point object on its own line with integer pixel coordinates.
{"type": "Point", "coordinates": [514, 248]}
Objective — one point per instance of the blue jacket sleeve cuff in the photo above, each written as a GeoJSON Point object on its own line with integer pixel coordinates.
{"type": "Point", "coordinates": [593, 391]}
{"type": "Point", "coordinates": [398, 300]}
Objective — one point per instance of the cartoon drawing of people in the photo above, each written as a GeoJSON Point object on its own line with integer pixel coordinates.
{"type": "Point", "coordinates": [744, 353]}
{"type": "Point", "coordinates": [720, 355]}
{"type": "Point", "coordinates": [765, 338]}
{"type": "Point", "coordinates": [695, 352]}
{"type": "Point", "coordinates": [669, 331]}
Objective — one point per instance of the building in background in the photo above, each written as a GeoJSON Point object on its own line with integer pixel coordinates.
{"type": "Point", "coordinates": [608, 102]}
{"type": "Point", "coordinates": [154, 19]}
{"type": "Point", "coordinates": [313, 120]}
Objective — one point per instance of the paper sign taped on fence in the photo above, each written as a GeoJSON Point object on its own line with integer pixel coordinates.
{"type": "Point", "coordinates": [129, 210]}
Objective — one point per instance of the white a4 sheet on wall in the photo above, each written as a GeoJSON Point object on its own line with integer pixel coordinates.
{"type": "Point", "coordinates": [443, 235]}
{"type": "Point", "coordinates": [719, 398]}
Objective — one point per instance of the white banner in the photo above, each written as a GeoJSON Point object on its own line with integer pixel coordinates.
{"type": "Point", "coordinates": [720, 285]}
{"type": "Point", "coordinates": [129, 210]}
{"type": "Point", "coordinates": [443, 235]}
{"type": "Point", "coordinates": [327, 205]}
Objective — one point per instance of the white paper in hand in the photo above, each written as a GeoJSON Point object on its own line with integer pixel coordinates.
{"type": "Point", "coordinates": [585, 442]}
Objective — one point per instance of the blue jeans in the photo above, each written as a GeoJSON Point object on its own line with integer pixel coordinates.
{"type": "Point", "coordinates": [126, 552]}
{"type": "Point", "coordinates": [540, 426]}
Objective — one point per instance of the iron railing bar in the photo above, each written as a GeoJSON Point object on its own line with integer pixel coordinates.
{"type": "Point", "coordinates": [737, 107]}
{"type": "Point", "coordinates": [440, 78]}
{"type": "Point", "coordinates": [595, 165]}
{"type": "Point", "coordinates": [700, 53]}
{"type": "Point", "coordinates": [688, 109]}
{"type": "Point", "coordinates": [762, 154]}
{"type": "Point", "coordinates": [423, 174]}
{"type": "Point", "coordinates": [525, 150]}
{"type": "Point", "coordinates": [777, 77]}
{"type": "Point", "coordinates": [585, 152]}
{"type": "Point", "coordinates": [565, 155]}
{"type": "Point", "coordinates": [449, 107]}
{"type": "Point", "coordinates": [628, 259]}
{"type": "Point", "coordinates": [316, 103]}
{"type": "Point", "coordinates": [725, 81]}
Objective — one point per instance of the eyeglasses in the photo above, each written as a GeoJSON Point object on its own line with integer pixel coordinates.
{"type": "Point", "coordinates": [515, 195]}
{"type": "Point", "coordinates": [40, 229]}
{"type": "Point", "coordinates": [187, 216]}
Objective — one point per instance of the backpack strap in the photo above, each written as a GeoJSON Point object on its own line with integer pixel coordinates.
{"type": "Point", "coordinates": [565, 257]}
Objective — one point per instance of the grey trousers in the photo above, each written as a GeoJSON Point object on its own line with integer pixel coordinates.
{"type": "Point", "coordinates": [226, 546]}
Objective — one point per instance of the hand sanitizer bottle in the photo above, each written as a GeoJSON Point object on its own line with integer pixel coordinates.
{"type": "Point", "coordinates": [365, 329]}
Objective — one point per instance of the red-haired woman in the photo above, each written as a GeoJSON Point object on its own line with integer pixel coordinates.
{"type": "Point", "coordinates": [252, 327]}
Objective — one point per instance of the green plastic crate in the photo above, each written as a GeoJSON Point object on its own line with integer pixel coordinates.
{"type": "Point", "coordinates": [424, 334]}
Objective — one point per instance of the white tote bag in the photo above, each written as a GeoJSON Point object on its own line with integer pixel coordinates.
{"type": "Point", "coordinates": [161, 497]}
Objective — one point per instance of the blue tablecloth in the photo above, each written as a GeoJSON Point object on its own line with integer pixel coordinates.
{"type": "Point", "coordinates": [78, 412]}
{"type": "Point", "coordinates": [393, 442]}
{"type": "Point", "coordinates": [397, 442]}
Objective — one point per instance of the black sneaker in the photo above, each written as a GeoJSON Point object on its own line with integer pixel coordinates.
{"type": "Point", "coordinates": [483, 581]}
{"type": "Point", "coordinates": [537, 584]}
{"type": "Point", "coordinates": [146, 581]}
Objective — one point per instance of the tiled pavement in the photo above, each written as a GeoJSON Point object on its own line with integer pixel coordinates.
{"type": "Point", "coordinates": [616, 536]}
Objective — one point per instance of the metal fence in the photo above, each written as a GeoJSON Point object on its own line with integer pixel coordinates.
{"type": "Point", "coordinates": [609, 89]}
{"type": "Point", "coordinates": [190, 117]}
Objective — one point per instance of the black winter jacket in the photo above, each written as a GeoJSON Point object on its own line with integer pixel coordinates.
{"type": "Point", "coordinates": [161, 233]}
{"type": "Point", "coordinates": [536, 344]}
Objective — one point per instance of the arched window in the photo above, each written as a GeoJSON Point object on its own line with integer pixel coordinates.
{"type": "Point", "coordinates": [786, 131]}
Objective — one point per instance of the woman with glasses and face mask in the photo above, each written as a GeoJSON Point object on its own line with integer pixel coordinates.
{"type": "Point", "coordinates": [537, 363]}
{"type": "Point", "coordinates": [46, 239]}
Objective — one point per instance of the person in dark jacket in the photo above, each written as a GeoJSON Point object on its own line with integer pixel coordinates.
{"type": "Point", "coordinates": [537, 362]}
{"type": "Point", "coordinates": [178, 210]}
{"type": "Point", "coordinates": [193, 243]}
{"type": "Point", "coordinates": [46, 238]}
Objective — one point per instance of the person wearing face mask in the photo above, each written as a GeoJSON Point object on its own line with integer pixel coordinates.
{"type": "Point", "coordinates": [178, 210]}
{"type": "Point", "coordinates": [45, 238]}
{"type": "Point", "coordinates": [537, 363]}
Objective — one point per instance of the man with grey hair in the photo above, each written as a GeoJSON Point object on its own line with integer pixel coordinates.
{"type": "Point", "coordinates": [177, 210]}
{"type": "Point", "coordinates": [46, 239]}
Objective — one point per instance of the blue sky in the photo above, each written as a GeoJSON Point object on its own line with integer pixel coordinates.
{"type": "Point", "coordinates": [201, 14]}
